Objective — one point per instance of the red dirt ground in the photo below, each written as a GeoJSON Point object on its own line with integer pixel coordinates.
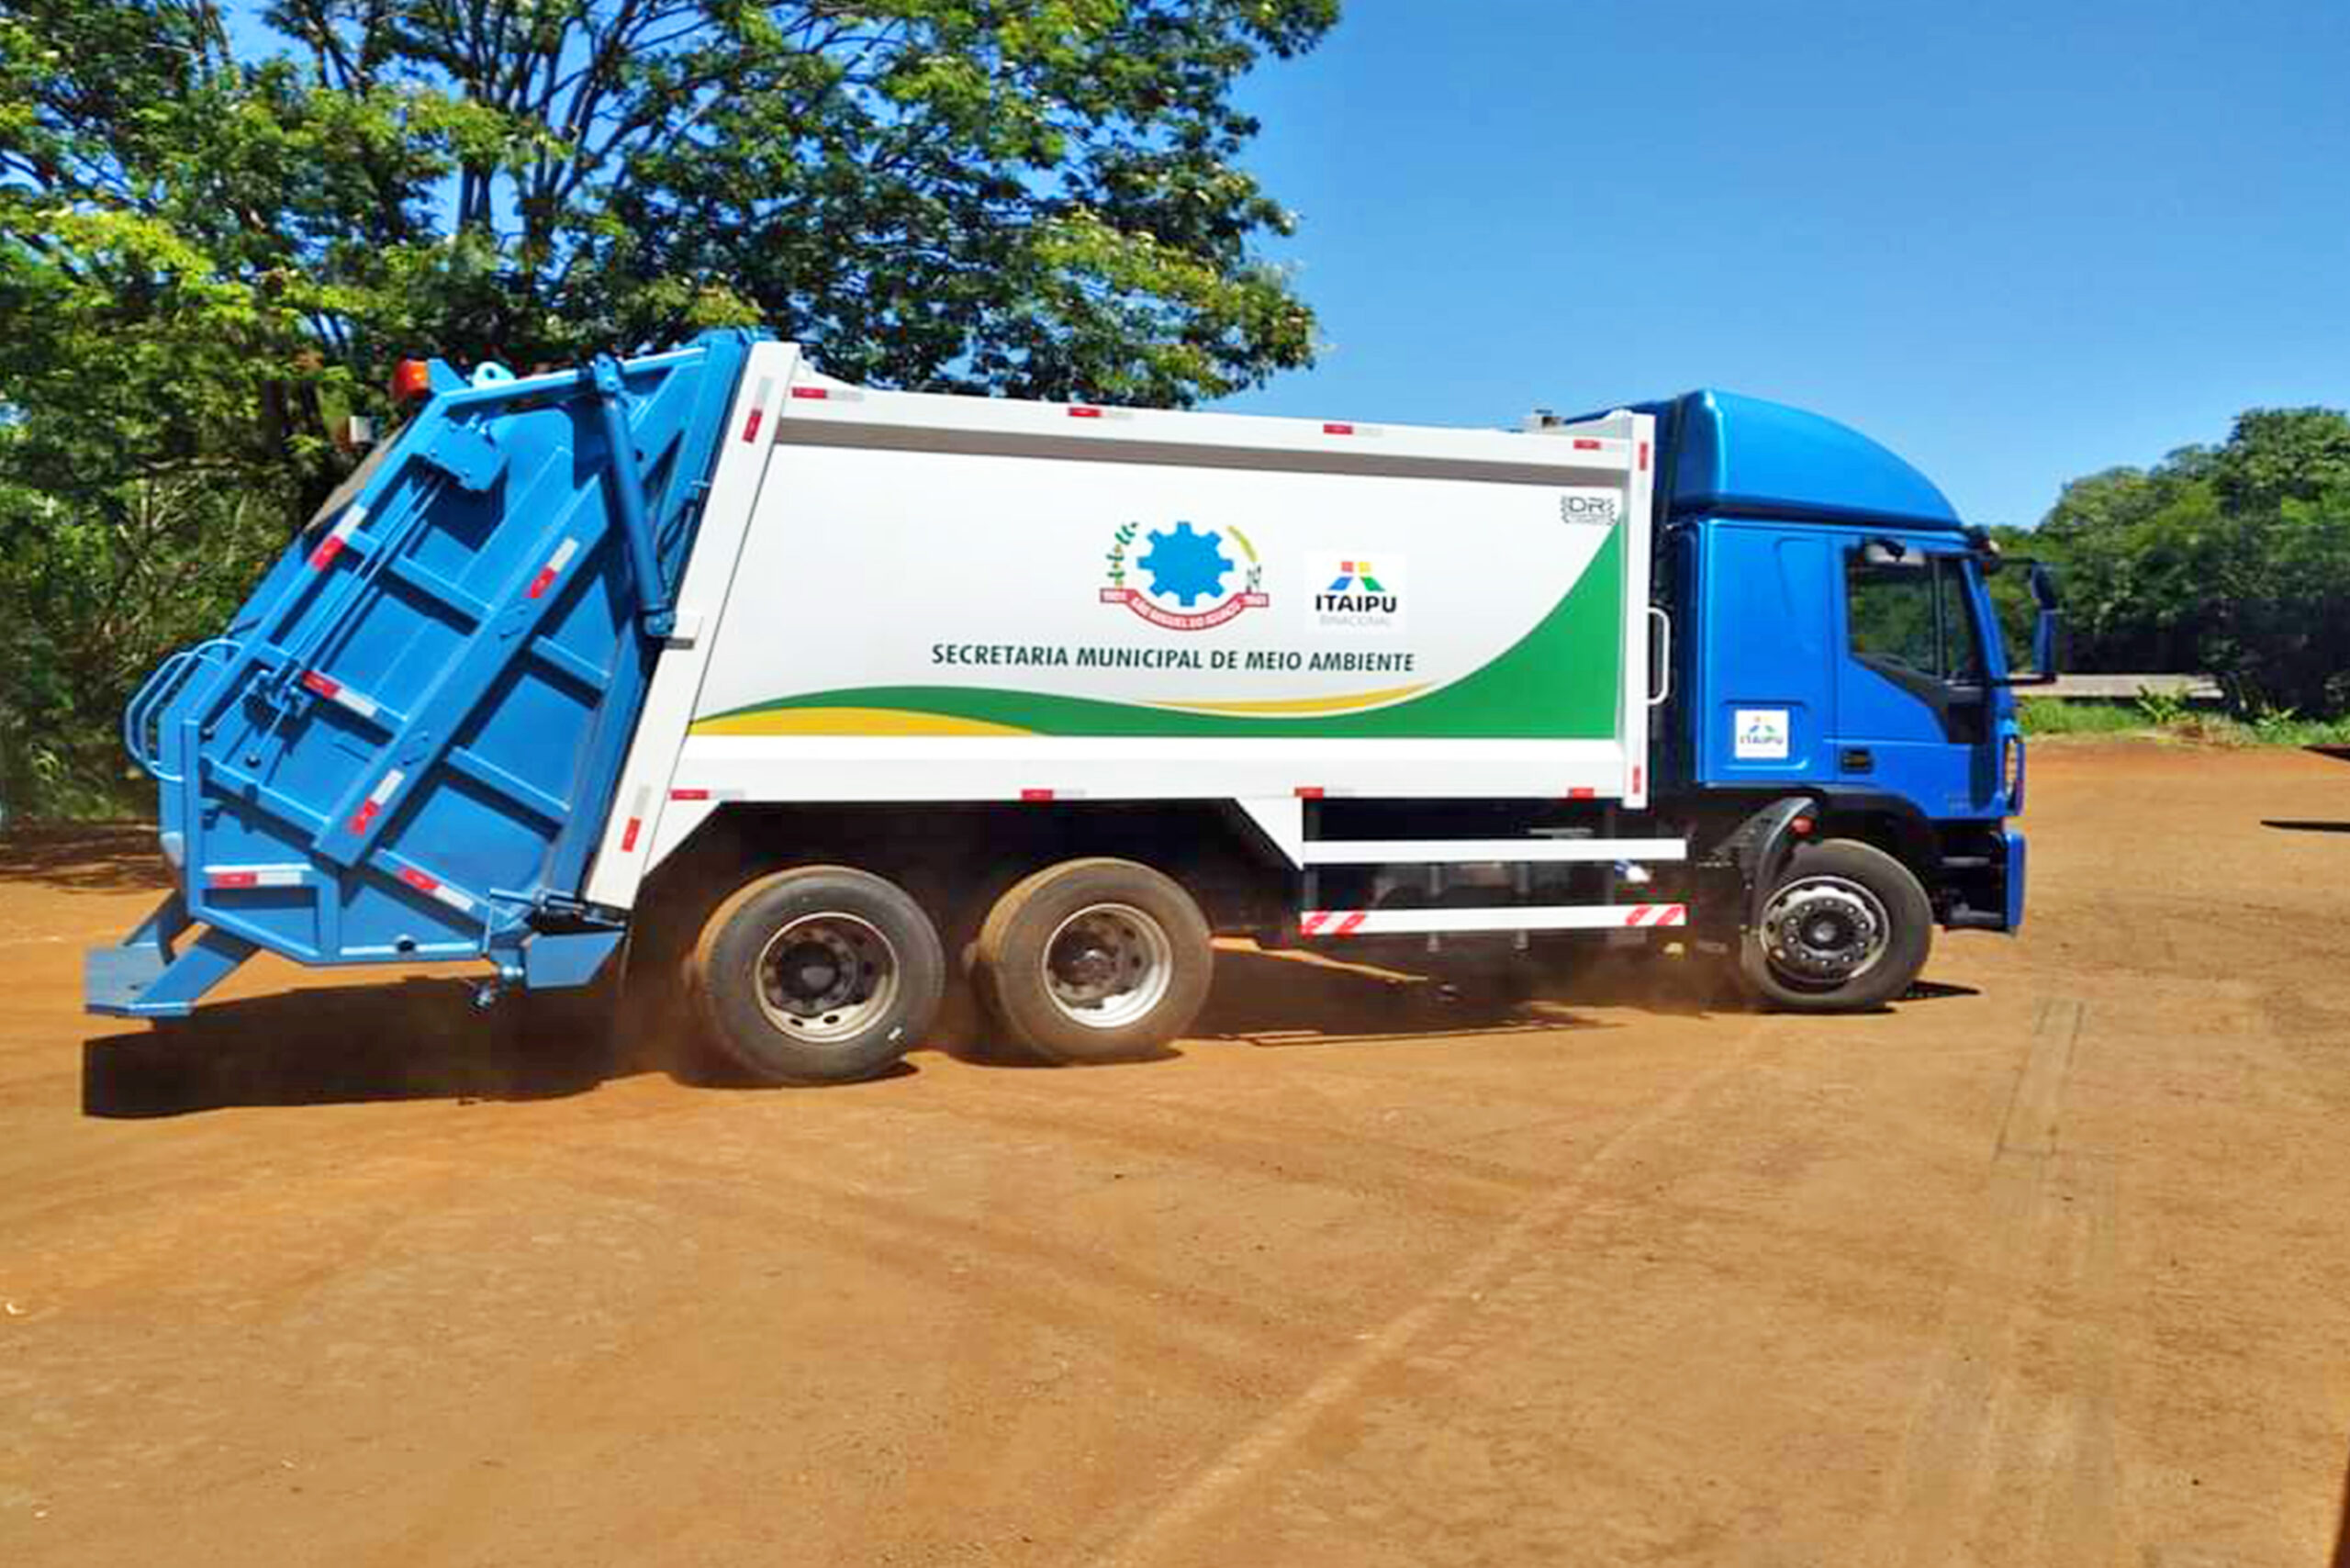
{"type": "Point", "coordinates": [2046, 1266]}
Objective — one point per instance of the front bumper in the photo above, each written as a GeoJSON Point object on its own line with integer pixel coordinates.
{"type": "Point", "coordinates": [1984, 891]}
{"type": "Point", "coordinates": [2015, 879]}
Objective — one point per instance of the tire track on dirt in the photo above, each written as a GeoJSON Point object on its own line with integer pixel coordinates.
{"type": "Point", "coordinates": [1261, 1448]}
{"type": "Point", "coordinates": [993, 1289]}
{"type": "Point", "coordinates": [2048, 1259]}
{"type": "Point", "coordinates": [1205, 1333]}
{"type": "Point", "coordinates": [1463, 1186]}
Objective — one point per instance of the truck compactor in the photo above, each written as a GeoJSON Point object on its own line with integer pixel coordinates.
{"type": "Point", "coordinates": [704, 662]}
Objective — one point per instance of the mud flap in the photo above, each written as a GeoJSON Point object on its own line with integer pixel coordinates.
{"type": "Point", "coordinates": [1759, 848]}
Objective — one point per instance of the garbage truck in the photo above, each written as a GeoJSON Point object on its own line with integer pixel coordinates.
{"type": "Point", "coordinates": [852, 693]}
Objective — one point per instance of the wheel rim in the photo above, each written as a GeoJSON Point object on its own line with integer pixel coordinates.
{"type": "Point", "coordinates": [825, 977]}
{"type": "Point", "coordinates": [1107, 966]}
{"type": "Point", "coordinates": [1825, 932]}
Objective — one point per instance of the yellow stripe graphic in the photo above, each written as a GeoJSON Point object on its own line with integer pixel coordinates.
{"type": "Point", "coordinates": [850, 722]}
{"type": "Point", "coordinates": [1303, 704]}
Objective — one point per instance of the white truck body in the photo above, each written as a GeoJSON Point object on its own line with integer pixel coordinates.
{"type": "Point", "coordinates": [905, 598]}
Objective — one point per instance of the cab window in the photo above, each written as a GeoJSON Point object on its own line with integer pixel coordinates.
{"type": "Point", "coordinates": [1912, 618]}
{"type": "Point", "coordinates": [1961, 659]}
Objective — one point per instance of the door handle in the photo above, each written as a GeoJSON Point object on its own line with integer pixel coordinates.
{"type": "Point", "coordinates": [1663, 624]}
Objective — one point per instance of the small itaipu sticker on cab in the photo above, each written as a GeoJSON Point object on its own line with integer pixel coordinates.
{"type": "Point", "coordinates": [1758, 734]}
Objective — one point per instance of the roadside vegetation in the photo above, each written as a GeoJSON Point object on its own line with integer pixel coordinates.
{"type": "Point", "coordinates": [2167, 718]}
{"type": "Point", "coordinates": [2231, 559]}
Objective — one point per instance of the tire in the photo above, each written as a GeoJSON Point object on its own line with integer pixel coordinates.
{"type": "Point", "coordinates": [1846, 929]}
{"type": "Point", "coordinates": [822, 974]}
{"type": "Point", "coordinates": [1094, 960]}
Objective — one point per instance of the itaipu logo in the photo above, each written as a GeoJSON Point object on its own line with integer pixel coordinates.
{"type": "Point", "coordinates": [1361, 595]}
{"type": "Point", "coordinates": [1186, 580]}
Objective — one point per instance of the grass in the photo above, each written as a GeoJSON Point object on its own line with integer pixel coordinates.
{"type": "Point", "coordinates": [2047, 716]}
{"type": "Point", "coordinates": [2164, 717]}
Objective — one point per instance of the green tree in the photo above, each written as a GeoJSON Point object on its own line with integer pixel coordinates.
{"type": "Point", "coordinates": [208, 258]}
{"type": "Point", "coordinates": [2234, 559]}
{"type": "Point", "coordinates": [1036, 196]}
{"type": "Point", "coordinates": [2277, 455]}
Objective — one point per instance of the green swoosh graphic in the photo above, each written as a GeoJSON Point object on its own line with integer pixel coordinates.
{"type": "Point", "coordinates": [1559, 682]}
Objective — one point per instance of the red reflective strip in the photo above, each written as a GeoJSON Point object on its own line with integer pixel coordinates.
{"type": "Point", "coordinates": [751, 425]}
{"type": "Point", "coordinates": [1637, 771]}
{"type": "Point", "coordinates": [812, 394]}
{"type": "Point", "coordinates": [1644, 457]}
{"type": "Point", "coordinates": [1338, 429]}
{"type": "Point", "coordinates": [1347, 926]}
{"type": "Point", "coordinates": [1311, 923]}
{"type": "Point", "coordinates": [689, 794]}
{"type": "Point", "coordinates": [544, 581]}
{"type": "Point", "coordinates": [1582, 792]}
{"type": "Point", "coordinates": [418, 879]}
{"type": "Point", "coordinates": [1584, 443]}
{"type": "Point", "coordinates": [323, 556]}
{"type": "Point", "coordinates": [1082, 411]}
{"type": "Point", "coordinates": [236, 878]}
{"type": "Point", "coordinates": [1035, 795]}
{"type": "Point", "coordinates": [324, 685]}
{"type": "Point", "coordinates": [1309, 791]}
{"type": "Point", "coordinates": [628, 834]}
{"type": "Point", "coordinates": [364, 815]}
{"type": "Point", "coordinates": [1640, 912]}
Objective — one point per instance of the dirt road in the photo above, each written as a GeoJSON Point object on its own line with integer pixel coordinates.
{"type": "Point", "coordinates": [2047, 1267]}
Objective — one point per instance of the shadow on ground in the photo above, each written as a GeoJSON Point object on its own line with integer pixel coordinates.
{"type": "Point", "coordinates": [1282, 1000]}
{"type": "Point", "coordinates": [410, 1039]}
{"type": "Point", "coordinates": [2285, 825]}
{"type": "Point", "coordinates": [423, 1039]}
{"type": "Point", "coordinates": [89, 858]}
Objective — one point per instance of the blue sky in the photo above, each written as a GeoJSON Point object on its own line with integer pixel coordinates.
{"type": "Point", "coordinates": [2017, 243]}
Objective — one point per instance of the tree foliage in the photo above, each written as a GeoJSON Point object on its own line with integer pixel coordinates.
{"type": "Point", "coordinates": [2234, 559]}
{"type": "Point", "coordinates": [209, 254]}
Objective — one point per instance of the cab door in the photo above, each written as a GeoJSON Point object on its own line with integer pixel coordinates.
{"type": "Point", "coordinates": [1914, 709]}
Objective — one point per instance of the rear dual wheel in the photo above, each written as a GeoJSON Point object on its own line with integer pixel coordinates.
{"type": "Point", "coordinates": [820, 974]}
{"type": "Point", "coordinates": [1094, 960]}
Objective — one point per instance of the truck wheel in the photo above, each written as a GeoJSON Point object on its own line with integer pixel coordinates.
{"type": "Point", "coordinates": [1094, 960]}
{"type": "Point", "coordinates": [820, 974]}
{"type": "Point", "coordinates": [1847, 929]}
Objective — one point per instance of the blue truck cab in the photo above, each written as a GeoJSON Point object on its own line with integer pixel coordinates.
{"type": "Point", "coordinates": [1838, 645]}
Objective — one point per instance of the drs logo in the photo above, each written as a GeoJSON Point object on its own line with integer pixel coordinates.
{"type": "Point", "coordinates": [1589, 508]}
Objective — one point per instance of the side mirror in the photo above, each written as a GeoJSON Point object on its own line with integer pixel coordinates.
{"type": "Point", "coordinates": [2046, 630]}
{"type": "Point", "coordinates": [1884, 553]}
{"type": "Point", "coordinates": [2043, 644]}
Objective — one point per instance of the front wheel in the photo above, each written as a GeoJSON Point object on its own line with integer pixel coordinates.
{"type": "Point", "coordinates": [1847, 929]}
{"type": "Point", "coordinates": [820, 974]}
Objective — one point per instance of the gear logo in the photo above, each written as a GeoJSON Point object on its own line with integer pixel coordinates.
{"type": "Point", "coordinates": [1186, 565]}
{"type": "Point", "coordinates": [1190, 575]}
